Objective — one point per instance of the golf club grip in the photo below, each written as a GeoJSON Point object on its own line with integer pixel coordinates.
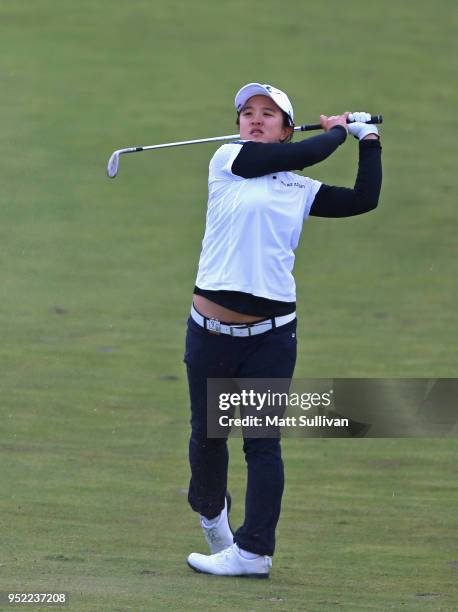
{"type": "Point", "coordinates": [375, 119]}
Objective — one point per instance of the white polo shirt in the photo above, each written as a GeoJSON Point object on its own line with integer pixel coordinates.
{"type": "Point", "coordinates": [253, 227]}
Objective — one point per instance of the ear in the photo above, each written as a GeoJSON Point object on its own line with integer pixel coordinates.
{"type": "Point", "coordinates": [286, 132]}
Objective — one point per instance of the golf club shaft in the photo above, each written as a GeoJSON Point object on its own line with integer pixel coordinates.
{"type": "Point", "coordinates": [113, 162]}
{"type": "Point", "coordinates": [298, 128]}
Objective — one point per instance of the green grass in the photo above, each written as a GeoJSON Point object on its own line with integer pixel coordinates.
{"type": "Point", "coordinates": [97, 277]}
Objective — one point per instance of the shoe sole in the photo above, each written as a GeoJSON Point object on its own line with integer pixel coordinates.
{"type": "Point", "coordinates": [254, 576]}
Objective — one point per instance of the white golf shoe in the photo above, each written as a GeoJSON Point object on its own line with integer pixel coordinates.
{"type": "Point", "coordinates": [219, 536]}
{"type": "Point", "coordinates": [229, 562]}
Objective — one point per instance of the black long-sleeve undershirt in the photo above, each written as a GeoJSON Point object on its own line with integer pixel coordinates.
{"type": "Point", "coordinates": [257, 159]}
{"type": "Point", "coordinates": [337, 202]}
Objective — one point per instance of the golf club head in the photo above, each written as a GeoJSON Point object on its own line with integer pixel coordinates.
{"type": "Point", "coordinates": [113, 163]}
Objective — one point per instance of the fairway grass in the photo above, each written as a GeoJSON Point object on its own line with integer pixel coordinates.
{"type": "Point", "coordinates": [99, 510]}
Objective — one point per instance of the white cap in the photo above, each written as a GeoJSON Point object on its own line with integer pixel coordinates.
{"type": "Point", "coordinates": [256, 89]}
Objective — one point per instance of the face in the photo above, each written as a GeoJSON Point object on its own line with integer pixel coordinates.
{"type": "Point", "coordinates": [261, 120]}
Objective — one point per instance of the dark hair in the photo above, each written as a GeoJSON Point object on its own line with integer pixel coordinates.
{"type": "Point", "coordinates": [286, 123]}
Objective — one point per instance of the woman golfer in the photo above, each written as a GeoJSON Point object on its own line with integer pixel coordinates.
{"type": "Point", "coordinates": [243, 321]}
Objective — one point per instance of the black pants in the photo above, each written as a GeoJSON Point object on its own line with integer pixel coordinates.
{"type": "Point", "coordinates": [268, 355]}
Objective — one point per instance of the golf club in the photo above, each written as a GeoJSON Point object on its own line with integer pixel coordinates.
{"type": "Point", "coordinates": [113, 162]}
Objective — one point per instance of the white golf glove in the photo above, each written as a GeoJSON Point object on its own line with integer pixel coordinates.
{"type": "Point", "coordinates": [360, 128]}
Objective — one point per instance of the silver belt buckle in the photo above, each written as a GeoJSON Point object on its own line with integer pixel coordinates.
{"type": "Point", "coordinates": [214, 326]}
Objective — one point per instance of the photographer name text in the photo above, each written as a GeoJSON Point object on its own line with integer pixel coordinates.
{"type": "Point", "coordinates": [277, 421]}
